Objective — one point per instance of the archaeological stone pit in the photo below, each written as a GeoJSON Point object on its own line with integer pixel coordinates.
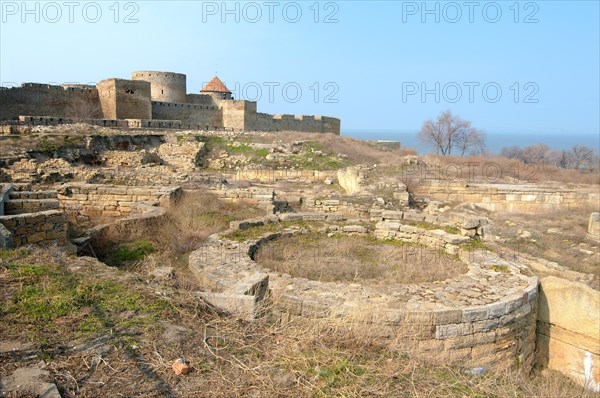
{"type": "Point", "coordinates": [485, 317]}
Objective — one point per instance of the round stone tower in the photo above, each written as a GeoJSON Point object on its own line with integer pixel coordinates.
{"type": "Point", "coordinates": [164, 86]}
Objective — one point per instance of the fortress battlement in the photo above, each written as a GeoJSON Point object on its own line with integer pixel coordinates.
{"type": "Point", "coordinates": [148, 96]}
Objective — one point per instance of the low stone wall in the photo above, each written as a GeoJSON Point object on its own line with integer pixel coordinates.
{"type": "Point", "coordinates": [466, 225]}
{"type": "Point", "coordinates": [263, 197]}
{"type": "Point", "coordinates": [507, 197]}
{"type": "Point", "coordinates": [485, 318]}
{"type": "Point", "coordinates": [568, 338]}
{"type": "Point", "coordinates": [20, 206]}
{"type": "Point", "coordinates": [85, 202]}
{"type": "Point", "coordinates": [273, 175]}
{"type": "Point", "coordinates": [42, 228]}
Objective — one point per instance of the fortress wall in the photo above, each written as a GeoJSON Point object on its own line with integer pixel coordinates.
{"type": "Point", "coordinates": [42, 228]}
{"type": "Point", "coordinates": [195, 115]}
{"type": "Point", "coordinates": [165, 86]}
{"type": "Point", "coordinates": [302, 123]}
{"type": "Point", "coordinates": [45, 99]}
{"type": "Point", "coordinates": [200, 99]}
{"type": "Point", "coordinates": [125, 99]}
{"type": "Point", "coordinates": [238, 115]}
{"type": "Point", "coordinates": [84, 202]}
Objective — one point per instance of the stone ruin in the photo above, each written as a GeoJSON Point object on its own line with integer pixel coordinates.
{"type": "Point", "coordinates": [497, 314]}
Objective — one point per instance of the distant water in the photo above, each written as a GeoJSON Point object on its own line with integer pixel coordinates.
{"type": "Point", "coordinates": [495, 141]}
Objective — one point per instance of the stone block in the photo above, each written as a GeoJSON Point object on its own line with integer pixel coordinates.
{"type": "Point", "coordinates": [392, 215]}
{"type": "Point", "coordinates": [474, 314]}
{"type": "Point", "coordinates": [335, 217]}
{"type": "Point", "coordinates": [414, 216]}
{"type": "Point", "coordinates": [496, 310]}
{"type": "Point", "coordinates": [242, 306]}
{"type": "Point", "coordinates": [36, 238]}
{"type": "Point", "coordinates": [594, 224]}
{"type": "Point", "coordinates": [354, 228]}
{"type": "Point", "coordinates": [470, 223]}
{"type": "Point", "coordinates": [452, 330]}
{"type": "Point", "coordinates": [314, 216]}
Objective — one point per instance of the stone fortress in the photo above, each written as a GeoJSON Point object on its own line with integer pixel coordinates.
{"type": "Point", "coordinates": [149, 99]}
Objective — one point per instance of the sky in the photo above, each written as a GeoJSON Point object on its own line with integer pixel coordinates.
{"type": "Point", "coordinates": [509, 67]}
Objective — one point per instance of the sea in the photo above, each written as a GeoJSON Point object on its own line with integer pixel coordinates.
{"type": "Point", "coordinates": [494, 141]}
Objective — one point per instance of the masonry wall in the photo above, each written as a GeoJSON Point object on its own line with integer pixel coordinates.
{"type": "Point", "coordinates": [238, 115]}
{"type": "Point", "coordinates": [125, 99]}
{"type": "Point", "coordinates": [89, 202]}
{"type": "Point", "coordinates": [568, 338]}
{"type": "Point", "coordinates": [165, 86]}
{"type": "Point", "coordinates": [497, 334]}
{"type": "Point", "coordinates": [303, 123]}
{"type": "Point", "coordinates": [198, 116]}
{"type": "Point", "coordinates": [200, 99]}
{"type": "Point", "coordinates": [45, 99]}
{"type": "Point", "coordinates": [43, 228]}
{"type": "Point", "coordinates": [504, 197]}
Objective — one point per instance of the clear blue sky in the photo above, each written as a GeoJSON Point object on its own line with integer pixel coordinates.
{"type": "Point", "coordinates": [372, 55]}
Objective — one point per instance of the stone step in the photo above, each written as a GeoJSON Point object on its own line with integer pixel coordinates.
{"type": "Point", "coordinates": [20, 186]}
{"type": "Point", "coordinates": [22, 206]}
{"type": "Point", "coordinates": [51, 194]}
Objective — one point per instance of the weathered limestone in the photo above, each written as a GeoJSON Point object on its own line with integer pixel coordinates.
{"type": "Point", "coordinates": [569, 329]}
{"type": "Point", "coordinates": [506, 197]}
{"type": "Point", "coordinates": [484, 318]}
{"type": "Point", "coordinates": [84, 202]}
{"type": "Point", "coordinates": [6, 241]}
{"type": "Point", "coordinates": [594, 224]}
{"type": "Point", "coordinates": [351, 179]}
{"type": "Point", "coordinates": [42, 228]}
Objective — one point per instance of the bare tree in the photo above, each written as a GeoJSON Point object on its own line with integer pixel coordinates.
{"type": "Point", "coordinates": [450, 132]}
{"type": "Point", "coordinates": [472, 139]}
{"type": "Point", "coordinates": [512, 152]}
{"type": "Point", "coordinates": [538, 153]}
{"type": "Point", "coordinates": [581, 156]}
{"type": "Point", "coordinates": [561, 159]}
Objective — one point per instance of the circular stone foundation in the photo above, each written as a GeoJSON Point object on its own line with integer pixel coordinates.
{"type": "Point", "coordinates": [484, 317]}
{"type": "Point", "coordinates": [356, 259]}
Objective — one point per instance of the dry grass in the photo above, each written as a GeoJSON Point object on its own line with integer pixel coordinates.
{"type": "Point", "coordinates": [559, 236]}
{"type": "Point", "coordinates": [358, 151]}
{"type": "Point", "coordinates": [357, 259]}
{"type": "Point", "coordinates": [185, 226]}
{"type": "Point", "coordinates": [131, 355]}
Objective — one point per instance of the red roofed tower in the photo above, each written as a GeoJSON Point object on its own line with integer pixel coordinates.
{"type": "Point", "coordinates": [216, 89]}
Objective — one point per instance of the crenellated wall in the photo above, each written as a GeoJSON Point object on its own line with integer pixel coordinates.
{"type": "Point", "coordinates": [150, 95]}
{"type": "Point", "coordinates": [48, 100]}
{"type": "Point", "coordinates": [165, 86]}
{"type": "Point", "coordinates": [199, 116]}
{"type": "Point", "coordinates": [303, 123]}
